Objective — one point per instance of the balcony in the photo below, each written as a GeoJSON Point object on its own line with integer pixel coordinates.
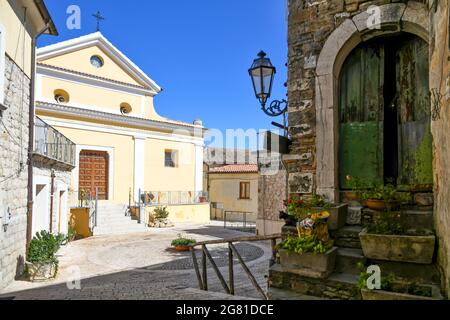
{"type": "Point", "coordinates": [52, 146]}
{"type": "Point", "coordinates": [173, 198]}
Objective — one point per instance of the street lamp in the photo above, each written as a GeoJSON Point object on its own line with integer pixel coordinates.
{"type": "Point", "coordinates": [262, 73]}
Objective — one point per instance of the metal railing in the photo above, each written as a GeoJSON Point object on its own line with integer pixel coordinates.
{"type": "Point", "coordinates": [50, 143]}
{"type": "Point", "coordinates": [202, 277]}
{"type": "Point", "coordinates": [88, 199]}
{"type": "Point", "coordinates": [165, 198]}
{"type": "Point", "coordinates": [239, 220]}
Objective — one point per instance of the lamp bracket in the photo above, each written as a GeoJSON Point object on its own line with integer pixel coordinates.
{"type": "Point", "coordinates": [276, 108]}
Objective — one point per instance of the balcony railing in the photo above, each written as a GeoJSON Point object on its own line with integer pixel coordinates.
{"type": "Point", "coordinates": [52, 144]}
{"type": "Point", "coordinates": [166, 198]}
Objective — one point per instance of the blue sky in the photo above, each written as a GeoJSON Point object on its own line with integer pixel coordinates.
{"type": "Point", "coordinates": [199, 51]}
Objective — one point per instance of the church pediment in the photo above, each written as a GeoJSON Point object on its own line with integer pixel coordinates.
{"type": "Point", "coordinates": [93, 54]}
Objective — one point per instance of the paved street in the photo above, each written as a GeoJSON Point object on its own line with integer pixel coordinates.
{"type": "Point", "coordinates": [142, 266]}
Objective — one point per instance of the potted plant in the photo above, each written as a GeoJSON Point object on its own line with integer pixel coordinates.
{"type": "Point", "coordinates": [159, 218]}
{"type": "Point", "coordinates": [393, 288]}
{"type": "Point", "coordinates": [311, 253]}
{"type": "Point", "coordinates": [387, 239]}
{"type": "Point", "coordinates": [382, 197]}
{"type": "Point", "coordinates": [42, 262]}
{"type": "Point", "coordinates": [298, 209]}
{"type": "Point", "coordinates": [357, 186]}
{"type": "Point", "coordinates": [183, 244]}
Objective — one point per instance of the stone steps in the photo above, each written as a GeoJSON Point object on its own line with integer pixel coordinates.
{"type": "Point", "coordinates": [347, 237]}
{"type": "Point", "coordinates": [112, 219]}
{"type": "Point", "coordinates": [340, 286]}
{"type": "Point", "coordinates": [347, 261]}
{"type": "Point", "coordinates": [280, 294]}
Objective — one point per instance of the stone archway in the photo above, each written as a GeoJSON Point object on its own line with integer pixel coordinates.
{"type": "Point", "coordinates": [411, 18]}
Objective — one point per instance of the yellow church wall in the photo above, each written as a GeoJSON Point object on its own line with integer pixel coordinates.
{"type": "Point", "coordinates": [123, 157]}
{"type": "Point", "coordinates": [81, 61]}
{"type": "Point", "coordinates": [197, 213]}
{"type": "Point", "coordinates": [96, 98]}
{"type": "Point", "coordinates": [17, 46]}
{"type": "Point", "coordinates": [160, 178]}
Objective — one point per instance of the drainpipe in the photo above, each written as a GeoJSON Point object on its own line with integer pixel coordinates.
{"type": "Point", "coordinates": [52, 197]}
{"type": "Point", "coordinates": [31, 119]}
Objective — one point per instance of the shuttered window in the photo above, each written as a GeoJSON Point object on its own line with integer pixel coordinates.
{"type": "Point", "coordinates": [244, 190]}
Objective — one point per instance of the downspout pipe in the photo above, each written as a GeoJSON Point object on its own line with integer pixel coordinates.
{"type": "Point", "coordinates": [31, 115]}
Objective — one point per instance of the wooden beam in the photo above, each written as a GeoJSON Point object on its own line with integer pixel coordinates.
{"type": "Point", "coordinates": [197, 270]}
{"type": "Point", "coordinates": [219, 275]}
{"type": "Point", "coordinates": [248, 272]}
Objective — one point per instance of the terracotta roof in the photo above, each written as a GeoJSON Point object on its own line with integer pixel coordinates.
{"type": "Point", "coordinates": [235, 168]}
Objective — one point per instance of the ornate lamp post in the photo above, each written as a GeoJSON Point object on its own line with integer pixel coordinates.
{"type": "Point", "coordinates": [262, 73]}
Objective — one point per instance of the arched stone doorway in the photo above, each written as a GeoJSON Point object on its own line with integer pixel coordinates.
{"type": "Point", "coordinates": [385, 114]}
{"type": "Point", "coordinates": [395, 18]}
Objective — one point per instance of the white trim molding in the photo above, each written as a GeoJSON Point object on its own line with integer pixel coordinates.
{"type": "Point", "coordinates": [199, 154]}
{"type": "Point", "coordinates": [97, 39]}
{"type": "Point", "coordinates": [139, 165]}
{"type": "Point", "coordinates": [123, 131]}
{"type": "Point", "coordinates": [41, 215]}
{"type": "Point", "coordinates": [76, 171]}
{"type": "Point", "coordinates": [75, 77]}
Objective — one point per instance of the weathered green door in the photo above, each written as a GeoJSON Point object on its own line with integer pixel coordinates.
{"type": "Point", "coordinates": [376, 142]}
{"type": "Point", "coordinates": [361, 116]}
{"type": "Point", "coordinates": [414, 113]}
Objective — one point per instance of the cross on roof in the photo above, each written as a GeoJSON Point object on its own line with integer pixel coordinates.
{"type": "Point", "coordinates": [98, 16]}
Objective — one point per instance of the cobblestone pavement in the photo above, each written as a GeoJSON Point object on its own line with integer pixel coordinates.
{"type": "Point", "coordinates": [142, 266]}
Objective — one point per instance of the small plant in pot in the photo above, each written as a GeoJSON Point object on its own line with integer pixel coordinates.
{"type": "Point", "coordinates": [394, 288]}
{"type": "Point", "coordinates": [297, 209]}
{"type": "Point", "coordinates": [42, 262]}
{"type": "Point", "coordinates": [382, 197]}
{"type": "Point", "coordinates": [387, 239]}
{"type": "Point", "coordinates": [311, 253]}
{"type": "Point", "coordinates": [183, 244]}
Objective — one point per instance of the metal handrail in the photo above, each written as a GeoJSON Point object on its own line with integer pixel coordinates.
{"type": "Point", "coordinates": [161, 198]}
{"type": "Point", "coordinates": [232, 251]}
{"type": "Point", "coordinates": [50, 143]}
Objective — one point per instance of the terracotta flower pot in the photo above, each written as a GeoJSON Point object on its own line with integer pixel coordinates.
{"type": "Point", "coordinates": [182, 248]}
{"type": "Point", "coordinates": [381, 205]}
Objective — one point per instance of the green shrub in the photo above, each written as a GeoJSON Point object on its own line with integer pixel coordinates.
{"type": "Point", "coordinates": [44, 246]}
{"type": "Point", "coordinates": [161, 213]}
{"type": "Point", "coordinates": [183, 241]}
{"type": "Point", "coordinates": [309, 244]}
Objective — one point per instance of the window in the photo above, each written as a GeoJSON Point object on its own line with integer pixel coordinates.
{"type": "Point", "coordinates": [171, 158]}
{"type": "Point", "coordinates": [244, 191]}
{"type": "Point", "coordinates": [61, 96]}
{"type": "Point", "coordinates": [97, 62]}
{"type": "Point", "coordinates": [125, 108]}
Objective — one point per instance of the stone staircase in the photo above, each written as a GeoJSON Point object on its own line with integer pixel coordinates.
{"type": "Point", "coordinates": [112, 219]}
{"type": "Point", "coordinates": [343, 282]}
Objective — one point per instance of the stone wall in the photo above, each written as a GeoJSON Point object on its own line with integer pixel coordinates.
{"type": "Point", "coordinates": [13, 172]}
{"type": "Point", "coordinates": [270, 202]}
{"type": "Point", "coordinates": [440, 81]}
{"type": "Point", "coordinates": [311, 23]}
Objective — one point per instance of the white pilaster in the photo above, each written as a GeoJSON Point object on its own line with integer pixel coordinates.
{"type": "Point", "coordinates": [139, 165]}
{"type": "Point", "coordinates": [199, 167]}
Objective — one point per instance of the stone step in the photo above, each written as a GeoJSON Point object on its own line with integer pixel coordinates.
{"type": "Point", "coordinates": [347, 260]}
{"type": "Point", "coordinates": [106, 230]}
{"type": "Point", "coordinates": [280, 294]}
{"type": "Point", "coordinates": [347, 237]}
{"type": "Point", "coordinates": [420, 273]}
{"type": "Point", "coordinates": [340, 286]}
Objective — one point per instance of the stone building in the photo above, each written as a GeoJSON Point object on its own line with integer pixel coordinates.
{"type": "Point", "coordinates": [20, 23]}
{"type": "Point", "coordinates": [368, 96]}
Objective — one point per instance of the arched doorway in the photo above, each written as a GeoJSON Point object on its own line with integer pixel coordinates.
{"type": "Point", "coordinates": [384, 113]}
